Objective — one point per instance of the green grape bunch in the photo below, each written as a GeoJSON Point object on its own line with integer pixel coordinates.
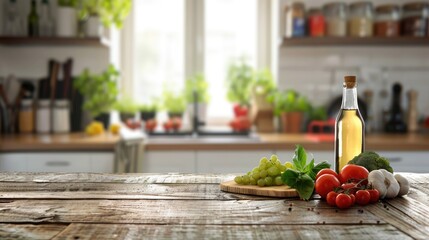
{"type": "Point", "coordinates": [267, 173]}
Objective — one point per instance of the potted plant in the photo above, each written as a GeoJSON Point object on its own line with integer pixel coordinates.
{"type": "Point", "coordinates": [174, 104]}
{"type": "Point", "coordinates": [127, 109]}
{"type": "Point", "coordinates": [66, 24]}
{"type": "Point", "coordinates": [107, 12]}
{"type": "Point", "coordinates": [99, 91]}
{"type": "Point", "coordinates": [291, 107]}
{"type": "Point", "coordinates": [148, 111]}
{"type": "Point", "coordinates": [262, 110]}
{"type": "Point", "coordinates": [239, 82]}
{"type": "Point", "coordinates": [196, 94]}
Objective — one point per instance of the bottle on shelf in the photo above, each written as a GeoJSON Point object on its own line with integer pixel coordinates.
{"type": "Point", "coordinates": [349, 126]}
{"type": "Point", "coordinates": [412, 114]}
{"type": "Point", "coordinates": [396, 123]}
{"type": "Point", "coordinates": [12, 21]}
{"type": "Point", "coordinates": [33, 20]}
{"type": "Point", "coordinates": [46, 27]}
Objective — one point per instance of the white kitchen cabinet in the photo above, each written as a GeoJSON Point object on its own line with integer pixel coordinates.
{"type": "Point", "coordinates": [319, 156]}
{"type": "Point", "coordinates": [408, 161]}
{"type": "Point", "coordinates": [57, 162]}
{"type": "Point", "coordinates": [229, 161]}
{"type": "Point", "coordinates": [169, 161]}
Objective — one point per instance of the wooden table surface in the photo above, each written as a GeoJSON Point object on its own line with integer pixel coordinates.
{"type": "Point", "coordinates": [188, 206]}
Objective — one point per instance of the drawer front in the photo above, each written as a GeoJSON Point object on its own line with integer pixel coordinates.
{"type": "Point", "coordinates": [59, 162]}
{"type": "Point", "coordinates": [167, 162]}
{"type": "Point", "coordinates": [102, 162]}
{"type": "Point", "coordinates": [13, 162]}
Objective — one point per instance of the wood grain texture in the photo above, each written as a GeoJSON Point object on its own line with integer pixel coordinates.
{"type": "Point", "coordinates": [180, 212]}
{"type": "Point", "coordinates": [269, 232]}
{"type": "Point", "coordinates": [273, 191]}
{"type": "Point", "coordinates": [30, 231]}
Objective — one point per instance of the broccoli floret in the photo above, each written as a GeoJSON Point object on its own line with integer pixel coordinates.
{"type": "Point", "coordinates": [371, 161]}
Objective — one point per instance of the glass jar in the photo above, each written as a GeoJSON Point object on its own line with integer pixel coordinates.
{"type": "Point", "coordinates": [316, 23]}
{"type": "Point", "coordinates": [414, 19]}
{"type": "Point", "coordinates": [361, 19]}
{"type": "Point", "coordinates": [295, 20]}
{"type": "Point", "coordinates": [61, 116]}
{"type": "Point", "coordinates": [43, 116]}
{"type": "Point", "coordinates": [336, 19]}
{"type": "Point", "coordinates": [387, 21]}
{"type": "Point", "coordinates": [26, 116]}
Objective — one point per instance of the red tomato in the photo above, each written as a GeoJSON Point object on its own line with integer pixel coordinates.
{"type": "Point", "coordinates": [375, 195]}
{"type": "Point", "coordinates": [349, 187]}
{"type": "Point", "coordinates": [150, 125]}
{"type": "Point", "coordinates": [326, 171]}
{"type": "Point", "coordinates": [176, 123]}
{"type": "Point", "coordinates": [325, 184]}
{"type": "Point", "coordinates": [240, 111]}
{"type": "Point", "coordinates": [168, 125]}
{"type": "Point", "coordinates": [330, 198]}
{"type": "Point", "coordinates": [240, 124]}
{"type": "Point", "coordinates": [353, 197]}
{"type": "Point", "coordinates": [343, 201]}
{"type": "Point", "coordinates": [353, 172]}
{"type": "Point", "coordinates": [363, 197]}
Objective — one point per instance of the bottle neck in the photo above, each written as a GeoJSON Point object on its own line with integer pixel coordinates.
{"type": "Point", "coordinates": [349, 98]}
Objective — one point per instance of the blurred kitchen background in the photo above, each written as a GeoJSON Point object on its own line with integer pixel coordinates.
{"type": "Point", "coordinates": [206, 85]}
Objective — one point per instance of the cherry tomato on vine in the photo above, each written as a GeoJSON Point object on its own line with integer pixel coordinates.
{"type": "Point", "coordinates": [375, 195]}
{"type": "Point", "coordinates": [325, 184]}
{"type": "Point", "coordinates": [343, 201]}
{"type": "Point", "coordinates": [326, 171]}
{"type": "Point", "coordinates": [353, 197]}
{"type": "Point", "coordinates": [330, 198]}
{"type": "Point", "coordinates": [363, 197]}
{"type": "Point", "coordinates": [349, 187]}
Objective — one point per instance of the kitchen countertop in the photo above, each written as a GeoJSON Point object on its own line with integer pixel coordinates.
{"type": "Point", "coordinates": [82, 142]}
{"type": "Point", "coordinates": [188, 206]}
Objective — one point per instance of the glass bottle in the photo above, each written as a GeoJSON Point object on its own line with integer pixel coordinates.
{"type": "Point", "coordinates": [12, 24]}
{"type": "Point", "coordinates": [46, 27]}
{"type": "Point", "coordinates": [396, 123]}
{"type": "Point", "coordinates": [349, 126]}
{"type": "Point", "coordinates": [33, 21]}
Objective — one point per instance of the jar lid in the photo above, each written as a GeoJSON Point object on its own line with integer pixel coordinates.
{"type": "Point", "coordinates": [415, 6]}
{"type": "Point", "coordinates": [26, 102]}
{"type": "Point", "coordinates": [61, 103]}
{"type": "Point", "coordinates": [314, 11]}
{"type": "Point", "coordinates": [44, 103]}
{"type": "Point", "coordinates": [387, 8]}
{"type": "Point", "coordinates": [361, 4]}
{"type": "Point", "coordinates": [335, 4]}
{"type": "Point", "coordinates": [298, 5]}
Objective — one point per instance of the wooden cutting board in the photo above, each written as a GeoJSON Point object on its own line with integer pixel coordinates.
{"type": "Point", "coordinates": [274, 191]}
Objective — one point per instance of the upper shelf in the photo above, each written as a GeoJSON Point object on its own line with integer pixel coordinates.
{"type": "Point", "coordinates": [355, 41]}
{"type": "Point", "coordinates": [53, 41]}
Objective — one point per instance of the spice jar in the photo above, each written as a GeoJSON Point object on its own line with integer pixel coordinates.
{"type": "Point", "coordinates": [361, 19]}
{"type": "Point", "coordinates": [295, 20]}
{"type": "Point", "coordinates": [43, 116]}
{"type": "Point", "coordinates": [26, 116]}
{"type": "Point", "coordinates": [61, 116]}
{"type": "Point", "coordinates": [387, 21]}
{"type": "Point", "coordinates": [316, 23]}
{"type": "Point", "coordinates": [414, 19]}
{"type": "Point", "coordinates": [336, 19]}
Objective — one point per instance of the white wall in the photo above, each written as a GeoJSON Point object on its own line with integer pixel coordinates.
{"type": "Point", "coordinates": [317, 72]}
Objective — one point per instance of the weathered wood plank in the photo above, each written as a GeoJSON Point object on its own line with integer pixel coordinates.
{"type": "Point", "coordinates": [180, 212]}
{"type": "Point", "coordinates": [30, 231]}
{"type": "Point", "coordinates": [116, 178]}
{"type": "Point", "coordinates": [404, 213]}
{"type": "Point", "coordinates": [34, 190]}
{"type": "Point", "coordinates": [269, 232]}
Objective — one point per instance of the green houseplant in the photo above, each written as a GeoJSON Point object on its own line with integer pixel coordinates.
{"type": "Point", "coordinates": [126, 107]}
{"type": "Point", "coordinates": [199, 86]}
{"type": "Point", "coordinates": [174, 104]}
{"type": "Point", "coordinates": [239, 82]}
{"type": "Point", "coordinates": [148, 111]}
{"type": "Point", "coordinates": [111, 12]}
{"type": "Point", "coordinates": [291, 106]}
{"type": "Point", "coordinates": [262, 110]}
{"type": "Point", "coordinates": [100, 92]}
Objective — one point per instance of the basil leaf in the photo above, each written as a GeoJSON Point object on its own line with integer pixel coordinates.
{"type": "Point", "coordinates": [304, 186]}
{"type": "Point", "coordinates": [290, 177]}
{"type": "Point", "coordinates": [309, 167]}
{"type": "Point", "coordinates": [317, 168]}
{"type": "Point", "coordinates": [300, 158]}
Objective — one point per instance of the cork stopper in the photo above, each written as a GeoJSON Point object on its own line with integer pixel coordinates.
{"type": "Point", "coordinates": [349, 81]}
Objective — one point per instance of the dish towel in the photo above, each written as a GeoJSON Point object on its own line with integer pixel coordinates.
{"type": "Point", "coordinates": [129, 152]}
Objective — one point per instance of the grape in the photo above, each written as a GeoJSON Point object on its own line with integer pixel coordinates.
{"type": "Point", "coordinates": [261, 182]}
{"type": "Point", "coordinates": [263, 160]}
{"type": "Point", "coordinates": [252, 181]}
{"type": "Point", "coordinates": [278, 181]}
{"type": "Point", "coordinates": [273, 171]}
{"type": "Point", "coordinates": [274, 158]}
{"type": "Point", "coordinates": [238, 180]}
{"type": "Point", "coordinates": [245, 179]}
{"type": "Point", "coordinates": [282, 168]}
{"type": "Point", "coordinates": [256, 175]}
{"type": "Point", "coordinates": [255, 169]}
{"type": "Point", "coordinates": [288, 165]}
{"type": "Point", "coordinates": [262, 166]}
{"type": "Point", "coordinates": [268, 181]}
{"type": "Point", "coordinates": [263, 173]}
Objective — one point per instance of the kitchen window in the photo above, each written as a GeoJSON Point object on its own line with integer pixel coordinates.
{"type": "Point", "coordinates": [172, 40]}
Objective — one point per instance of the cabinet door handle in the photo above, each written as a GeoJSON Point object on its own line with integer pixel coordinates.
{"type": "Point", "coordinates": [57, 164]}
{"type": "Point", "coordinates": [395, 159]}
